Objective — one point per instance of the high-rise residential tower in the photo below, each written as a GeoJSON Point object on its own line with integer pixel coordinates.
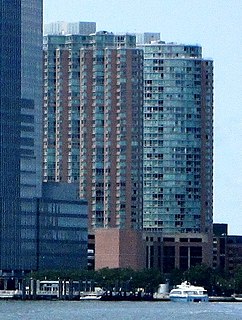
{"type": "Point", "coordinates": [147, 37]}
{"type": "Point", "coordinates": [63, 27]}
{"type": "Point", "coordinates": [178, 149]}
{"type": "Point", "coordinates": [93, 124]}
{"type": "Point", "coordinates": [178, 139]}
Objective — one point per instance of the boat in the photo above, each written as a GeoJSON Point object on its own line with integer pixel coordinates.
{"type": "Point", "coordinates": [90, 296]}
{"type": "Point", "coordinates": [162, 293]}
{"type": "Point", "coordinates": [10, 294]}
{"type": "Point", "coordinates": [221, 299]}
{"type": "Point", "coordinates": [188, 293]}
{"type": "Point", "coordinates": [237, 297]}
{"type": "Point", "coordinates": [97, 294]}
{"type": "Point", "coordinates": [127, 296]}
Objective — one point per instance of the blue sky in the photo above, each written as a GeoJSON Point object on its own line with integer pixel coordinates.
{"type": "Point", "coordinates": [217, 26]}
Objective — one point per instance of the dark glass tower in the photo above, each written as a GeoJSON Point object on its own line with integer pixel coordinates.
{"type": "Point", "coordinates": [10, 110]}
{"type": "Point", "coordinates": [20, 123]}
{"type": "Point", "coordinates": [31, 128]}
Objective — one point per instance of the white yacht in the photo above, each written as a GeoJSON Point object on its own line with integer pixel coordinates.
{"type": "Point", "coordinates": [92, 295]}
{"type": "Point", "coordinates": [188, 293]}
{"type": "Point", "coordinates": [237, 297]}
{"type": "Point", "coordinates": [10, 294]}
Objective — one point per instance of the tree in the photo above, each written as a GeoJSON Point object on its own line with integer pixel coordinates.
{"type": "Point", "coordinates": [238, 280]}
{"type": "Point", "coordinates": [199, 275]}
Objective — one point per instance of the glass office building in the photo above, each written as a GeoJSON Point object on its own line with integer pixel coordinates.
{"type": "Point", "coordinates": [62, 228]}
{"type": "Point", "coordinates": [10, 108]}
{"type": "Point", "coordinates": [23, 234]}
{"type": "Point", "coordinates": [178, 139]}
{"type": "Point", "coordinates": [20, 146]}
{"type": "Point", "coordinates": [32, 93]}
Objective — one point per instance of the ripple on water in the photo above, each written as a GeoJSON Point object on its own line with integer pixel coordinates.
{"type": "Point", "coordinates": [96, 310]}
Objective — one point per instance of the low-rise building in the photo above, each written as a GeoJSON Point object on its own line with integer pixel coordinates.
{"type": "Point", "coordinates": [181, 251]}
{"type": "Point", "coordinates": [227, 249]}
{"type": "Point", "coordinates": [62, 228]}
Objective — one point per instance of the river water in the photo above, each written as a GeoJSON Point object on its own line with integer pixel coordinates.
{"type": "Point", "coordinates": [102, 310]}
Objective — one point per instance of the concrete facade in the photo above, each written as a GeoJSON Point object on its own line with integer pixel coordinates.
{"type": "Point", "coordinates": [181, 251]}
{"type": "Point", "coordinates": [117, 248]}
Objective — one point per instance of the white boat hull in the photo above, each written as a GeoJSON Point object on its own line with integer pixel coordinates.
{"type": "Point", "coordinates": [188, 293]}
{"type": "Point", "coordinates": [10, 294]}
{"type": "Point", "coordinates": [237, 297]}
{"type": "Point", "coordinates": [189, 298]}
{"type": "Point", "coordinates": [89, 297]}
{"type": "Point", "coordinates": [92, 295]}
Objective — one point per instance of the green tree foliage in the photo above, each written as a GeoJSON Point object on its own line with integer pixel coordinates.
{"type": "Point", "coordinates": [199, 275]}
{"type": "Point", "coordinates": [176, 277]}
{"type": "Point", "coordinates": [238, 280]}
{"type": "Point", "coordinates": [125, 279]}
{"type": "Point", "coordinates": [217, 282]}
